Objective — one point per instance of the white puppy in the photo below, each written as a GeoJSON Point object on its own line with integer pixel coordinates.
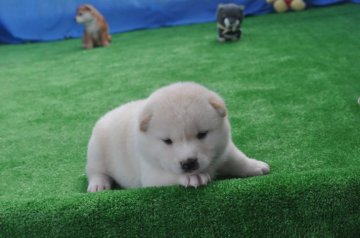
{"type": "Point", "coordinates": [179, 135]}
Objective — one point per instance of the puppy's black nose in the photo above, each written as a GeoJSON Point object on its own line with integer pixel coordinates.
{"type": "Point", "coordinates": [189, 165]}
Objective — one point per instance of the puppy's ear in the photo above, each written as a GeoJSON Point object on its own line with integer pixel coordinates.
{"type": "Point", "coordinates": [220, 7]}
{"type": "Point", "coordinates": [85, 7]}
{"type": "Point", "coordinates": [88, 7]}
{"type": "Point", "coordinates": [241, 10]}
{"type": "Point", "coordinates": [219, 106]}
{"type": "Point", "coordinates": [144, 121]}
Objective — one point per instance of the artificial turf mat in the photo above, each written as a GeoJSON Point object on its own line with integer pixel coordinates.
{"type": "Point", "coordinates": [290, 84]}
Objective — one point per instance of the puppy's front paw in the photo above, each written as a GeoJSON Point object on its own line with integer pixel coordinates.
{"type": "Point", "coordinates": [195, 180]}
{"type": "Point", "coordinates": [88, 46]}
{"type": "Point", "coordinates": [257, 167]}
{"type": "Point", "coordinates": [221, 39]}
{"type": "Point", "coordinates": [98, 184]}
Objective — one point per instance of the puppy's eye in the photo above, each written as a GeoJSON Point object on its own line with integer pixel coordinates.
{"type": "Point", "coordinates": [201, 135]}
{"type": "Point", "coordinates": [168, 141]}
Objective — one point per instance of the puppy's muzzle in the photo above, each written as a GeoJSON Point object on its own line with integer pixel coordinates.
{"type": "Point", "coordinates": [189, 165]}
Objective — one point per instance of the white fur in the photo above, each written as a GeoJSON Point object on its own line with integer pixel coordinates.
{"type": "Point", "coordinates": [232, 27]}
{"type": "Point", "coordinates": [227, 22]}
{"type": "Point", "coordinates": [91, 24]}
{"type": "Point", "coordinates": [236, 25]}
{"type": "Point", "coordinates": [85, 18]}
{"type": "Point", "coordinates": [127, 144]}
{"type": "Point", "coordinates": [93, 27]}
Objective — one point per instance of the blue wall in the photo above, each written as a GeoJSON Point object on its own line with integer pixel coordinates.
{"type": "Point", "coordinates": [45, 20]}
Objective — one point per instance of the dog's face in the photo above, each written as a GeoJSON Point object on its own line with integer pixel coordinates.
{"type": "Point", "coordinates": [84, 14]}
{"type": "Point", "coordinates": [230, 15]}
{"type": "Point", "coordinates": [183, 128]}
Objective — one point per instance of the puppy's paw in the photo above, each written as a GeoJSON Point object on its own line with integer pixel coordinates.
{"type": "Point", "coordinates": [105, 43]}
{"type": "Point", "coordinates": [221, 39]}
{"type": "Point", "coordinates": [88, 46]}
{"type": "Point", "coordinates": [257, 168]}
{"type": "Point", "coordinates": [97, 184]}
{"type": "Point", "coordinates": [195, 180]}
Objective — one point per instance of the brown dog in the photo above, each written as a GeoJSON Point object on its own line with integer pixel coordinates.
{"type": "Point", "coordinates": [96, 31]}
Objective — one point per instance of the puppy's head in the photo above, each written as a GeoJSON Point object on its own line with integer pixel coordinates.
{"type": "Point", "coordinates": [183, 128]}
{"type": "Point", "coordinates": [230, 15]}
{"type": "Point", "coordinates": [84, 14]}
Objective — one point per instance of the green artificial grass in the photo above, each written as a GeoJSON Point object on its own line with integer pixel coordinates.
{"type": "Point", "coordinates": [291, 86]}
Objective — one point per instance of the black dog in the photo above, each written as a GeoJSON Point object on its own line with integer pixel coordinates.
{"type": "Point", "coordinates": [229, 19]}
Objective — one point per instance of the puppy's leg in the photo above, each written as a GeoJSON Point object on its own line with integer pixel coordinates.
{"type": "Point", "coordinates": [104, 38]}
{"type": "Point", "coordinates": [221, 37]}
{"type": "Point", "coordinates": [236, 36]}
{"type": "Point", "coordinates": [239, 165]}
{"type": "Point", "coordinates": [195, 181]}
{"type": "Point", "coordinates": [88, 41]}
{"type": "Point", "coordinates": [99, 182]}
{"type": "Point", "coordinates": [96, 168]}
{"type": "Point", "coordinates": [154, 178]}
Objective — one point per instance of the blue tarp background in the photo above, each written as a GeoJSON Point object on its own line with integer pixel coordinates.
{"type": "Point", "coordinates": [45, 20]}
